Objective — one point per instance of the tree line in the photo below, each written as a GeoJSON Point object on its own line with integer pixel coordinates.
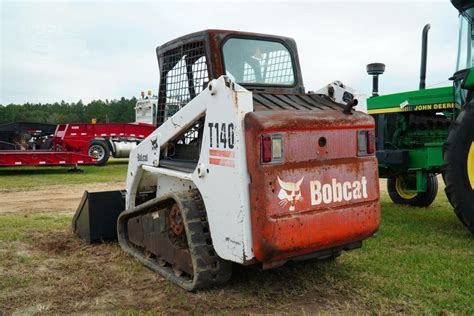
{"type": "Point", "coordinates": [120, 111]}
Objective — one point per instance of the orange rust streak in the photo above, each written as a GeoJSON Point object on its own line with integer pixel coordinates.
{"type": "Point", "coordinates": [221, 153]}
{"type": "Point", "coordinates": [222, 162]}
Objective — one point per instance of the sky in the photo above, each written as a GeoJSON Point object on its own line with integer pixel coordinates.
{"type": "Point", "coordinates": [70, 50]}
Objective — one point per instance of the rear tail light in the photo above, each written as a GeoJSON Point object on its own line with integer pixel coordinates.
{"type": "Point", "coordinates": [266, 148]}
{"type": "Point", "coordinates": [365, 143]}
{"type": "Point", "coordinates": [371, 142]}
{"type": "Point", "coordinates": [272, 148]}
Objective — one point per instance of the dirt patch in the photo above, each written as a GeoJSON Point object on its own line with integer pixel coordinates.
{"type": "Point", "coordinates": [64, 275]}
{"type": "Point", "coordinates": [56, 242]}
{"type": "Point", "coordinates": [55, 198]}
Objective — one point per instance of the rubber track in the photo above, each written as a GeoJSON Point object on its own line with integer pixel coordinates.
{"type": "Point", "coordinates": [209, 269]}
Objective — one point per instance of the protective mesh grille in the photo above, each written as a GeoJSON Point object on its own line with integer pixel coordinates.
{"type": "Point", "coordinates": [192, 134]}
{"type": "Point", "coordinates": [276, 69]}
{"type": "Point", "coordinates": [184, 75]}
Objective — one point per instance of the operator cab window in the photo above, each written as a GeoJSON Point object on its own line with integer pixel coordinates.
{"type": "Point", "coordinates": [466, 41]}
{"type": "Point", "coordinates": [258, 62]}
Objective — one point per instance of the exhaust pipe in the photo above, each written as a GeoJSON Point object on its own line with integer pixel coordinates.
{"type": "Point", "coordinates": [424, 57]}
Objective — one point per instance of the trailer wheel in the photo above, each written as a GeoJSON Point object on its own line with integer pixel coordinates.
{"type": "Point", "coordinates": [459, 166]}
{"type": "Point", "coordinates": [397, 190]}
{"type": "Point", "coordinates": [100, 151]}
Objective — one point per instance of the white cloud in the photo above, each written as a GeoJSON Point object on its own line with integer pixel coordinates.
{"type": "Point", "coordinates": [90, 50]}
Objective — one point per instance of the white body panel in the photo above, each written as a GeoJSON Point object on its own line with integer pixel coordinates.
{"type": "Point", "coordinates": [338, 89]}
{"type": "Point", "coordinates": [221, 174]}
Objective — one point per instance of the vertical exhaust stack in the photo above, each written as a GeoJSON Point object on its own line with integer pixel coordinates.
{"type": "Point", "coordinates": [424, 57]}
{"type": "Point", "coordinates": [374, 70]}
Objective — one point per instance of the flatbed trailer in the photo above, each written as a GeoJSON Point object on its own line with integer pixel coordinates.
{"type": "Point", "coordinates": [79, 143]}
{"type": "Point", "coordinates": [15, 158]}
{"type": "Point", "coordinates": [75, 144]}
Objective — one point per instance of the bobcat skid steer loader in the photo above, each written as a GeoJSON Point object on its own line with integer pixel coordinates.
{"type": "Point", "coordinates": [245, 166]}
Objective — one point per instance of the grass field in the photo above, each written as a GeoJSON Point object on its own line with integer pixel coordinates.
{"type": "Point", "coordinates": [30, 177]}
{"type": "Point", "coordinates": [420, 261]}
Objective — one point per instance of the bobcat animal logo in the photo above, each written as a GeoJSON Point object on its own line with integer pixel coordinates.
{"type": "Point", "coordinates": [154, 143]}
{"type": "Point", "coordinates": [290, 193]}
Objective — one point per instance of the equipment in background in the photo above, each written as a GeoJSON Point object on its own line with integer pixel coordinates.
{"type": "Point", "coordinates": [244, 167]}
{"type": "Point", "coordinates": [426, 132]}
{"type": "Point", "coordinates": [33, 144]}
{"type": "Point", "coordinates": [25, 136]}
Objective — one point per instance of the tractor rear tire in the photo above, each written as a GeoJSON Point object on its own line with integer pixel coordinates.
{"type": "Point", "coordinates": [459, 166]}
{"type": "Point", "coordinates": [99, 150]}
{"type": "Point", "coordinates": [399, 195]}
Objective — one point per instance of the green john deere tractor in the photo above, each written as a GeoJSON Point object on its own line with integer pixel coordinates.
{"type": "Point", "coordinates": [426, 132]}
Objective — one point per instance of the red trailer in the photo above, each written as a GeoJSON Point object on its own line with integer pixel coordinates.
{"type": "Point", "coordinates": [100, 140]}
{"type": "Point", "coordinates": [76, 144]}
{"type": "Point", "coordinates": [12, 158]}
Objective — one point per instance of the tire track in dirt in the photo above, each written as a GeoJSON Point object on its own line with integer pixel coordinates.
{"type": "Point", "coordinates": [53, 198]}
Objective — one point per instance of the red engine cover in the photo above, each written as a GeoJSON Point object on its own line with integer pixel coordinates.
{"type": "Point", "coordinates": [321, 194]}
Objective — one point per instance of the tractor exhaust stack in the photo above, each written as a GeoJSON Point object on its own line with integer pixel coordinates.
{"type": "Point", "coordinates": [424, 57]}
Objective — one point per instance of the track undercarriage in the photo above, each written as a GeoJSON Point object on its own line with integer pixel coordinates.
{"type": "Point", "coordinates": [170, 235]}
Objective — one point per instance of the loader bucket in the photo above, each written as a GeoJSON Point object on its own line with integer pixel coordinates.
{"type": "Point", "coordinates": [96, 217]}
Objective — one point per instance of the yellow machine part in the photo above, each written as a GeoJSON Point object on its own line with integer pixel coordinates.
{"type": "Point", "coordinates": [470, 165]}
{"type": "Point", "coordinates": [401, 190]}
